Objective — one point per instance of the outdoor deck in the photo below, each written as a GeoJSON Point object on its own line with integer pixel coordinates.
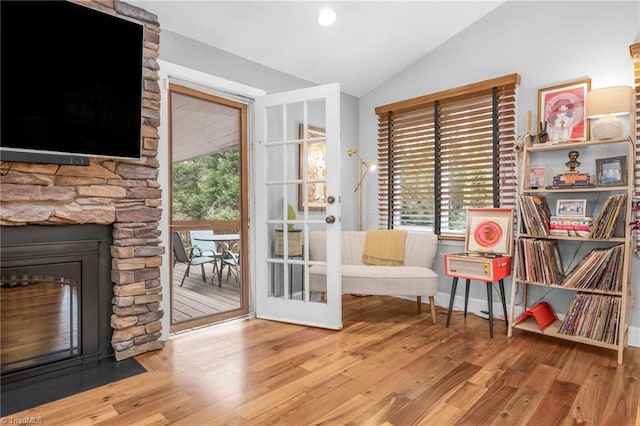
{"type": "Point", "coordinates": [197, 299]}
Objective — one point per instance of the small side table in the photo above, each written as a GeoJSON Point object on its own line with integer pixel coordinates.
{"type": "Point", "coordinates": [454, 286]}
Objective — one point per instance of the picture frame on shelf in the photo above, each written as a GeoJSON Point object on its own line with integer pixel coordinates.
{"type": "Point", "coordinates": [537, 176]}
{"type": "Point", "coordinates": [611, 171]}
{"type": "Point", "coordinates": [316, 167]}
{"type": "Point", "coordinates": [562, 111]}
{"type": "Point", "coordinates": [573, 208]}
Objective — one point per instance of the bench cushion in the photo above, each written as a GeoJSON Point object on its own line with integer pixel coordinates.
{"type": "Point", "coordinates": [379, 280]}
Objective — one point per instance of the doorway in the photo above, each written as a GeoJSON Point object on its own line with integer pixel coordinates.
{"type": "Point", "coordinates": [208, 208]}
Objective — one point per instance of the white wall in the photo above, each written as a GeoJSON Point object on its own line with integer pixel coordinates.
{"type": "Point", "coordinates": [547, 43]}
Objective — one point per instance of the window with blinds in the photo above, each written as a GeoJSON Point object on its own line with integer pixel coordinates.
{"type": "Point", "coordinates": [441, 154]}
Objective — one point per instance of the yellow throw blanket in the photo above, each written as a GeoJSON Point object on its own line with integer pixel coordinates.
{"type": "Point", "coordinates": [384, 248]}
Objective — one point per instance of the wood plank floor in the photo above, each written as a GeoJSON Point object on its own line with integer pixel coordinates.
{"type": "Point", "coordinates": [388, 366]}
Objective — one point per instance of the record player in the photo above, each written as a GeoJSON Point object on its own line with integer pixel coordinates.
{"type": "Point", "coordinates": [488, 245]}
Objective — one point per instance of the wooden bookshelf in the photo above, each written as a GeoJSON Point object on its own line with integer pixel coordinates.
{"type": "Point", "coordinates": [609, 300]}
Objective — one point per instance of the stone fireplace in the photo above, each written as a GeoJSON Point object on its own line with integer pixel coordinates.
{"type": "Point", "coordinates": [123, 195]}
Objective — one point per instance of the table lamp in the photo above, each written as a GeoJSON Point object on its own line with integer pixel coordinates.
{"type": "Point", "coordinates": [606, 105]}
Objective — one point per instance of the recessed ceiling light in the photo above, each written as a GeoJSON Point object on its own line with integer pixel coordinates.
{"type": "Point", "coordinates": [326, 17]}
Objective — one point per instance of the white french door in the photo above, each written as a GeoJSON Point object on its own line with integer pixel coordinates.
{"type": "Point", "coordinates": [297, 164]}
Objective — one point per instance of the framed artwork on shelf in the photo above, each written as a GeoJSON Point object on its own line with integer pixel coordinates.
{"type": "Point", "coordinates": [316, 167]}
{"type": "Point", "coordinates": [611, 171]}
{"type": "Point", "coordinates": [562, 112]}
{"type": "Point", "coordinates": [537, 176]}
{"type": "Point", "coordinates": [575, 208]}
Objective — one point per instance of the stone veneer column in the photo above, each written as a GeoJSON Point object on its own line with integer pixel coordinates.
{"type": "Point", "coordinates": [123, 193]}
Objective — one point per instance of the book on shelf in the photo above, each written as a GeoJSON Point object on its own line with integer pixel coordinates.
{"type": "Point", "coordinates": [570, 226]}
{"type": "Point", "coordinates": [542, 312]}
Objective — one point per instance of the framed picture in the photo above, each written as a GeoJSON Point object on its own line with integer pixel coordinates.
{"type": "Point", "coordinates": [562, 111]}
{"type": "Point", "coordinates": [571, 208]}
{"type": "Point", "coordinates": [611, 171]}
{"type": "Point", "coordinates": [316, 162]}
{"type": "Point", "coordinates": [537, 176]}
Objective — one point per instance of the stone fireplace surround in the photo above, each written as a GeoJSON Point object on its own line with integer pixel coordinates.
{"type": "Point", "coordinates": [124, 194]}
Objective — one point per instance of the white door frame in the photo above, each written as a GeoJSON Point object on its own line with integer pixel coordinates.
{"type": "Point", "coordinates": [201, 81]}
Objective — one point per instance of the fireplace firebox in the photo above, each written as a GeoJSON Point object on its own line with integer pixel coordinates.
{"type": "Point", "coordinates": [56, 300]}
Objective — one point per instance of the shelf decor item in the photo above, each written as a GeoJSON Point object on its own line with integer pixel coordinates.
{"type": "Point", "coordinates": [606, 105]}
{"type": "Point", "coordinates": [572, 177]}
{"type": "Point", "coordinates": [611, 171]}
{"type": "Point", "coordinates": [571, 208]}
{"type": "Point", "coordinates": [537, 176]}
{"type": "Point", "coordinates": [562, 112]}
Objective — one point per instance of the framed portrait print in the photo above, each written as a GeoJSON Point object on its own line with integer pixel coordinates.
{"type": "Point", "coordinates": [316, 162]}
{"type": "Point", "coordinates": [611, 171]}
{"type": "Point", "coordinates": [571, 208]}
{"type": "Point", "coordinates": [537, 176]}
{"type": "Point", "coordinates": [562, 111]}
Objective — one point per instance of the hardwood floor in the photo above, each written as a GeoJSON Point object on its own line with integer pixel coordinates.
{"type": "Point", "coordinates": [388, 366]}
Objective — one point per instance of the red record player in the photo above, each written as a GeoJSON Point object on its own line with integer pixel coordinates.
{"type": "Point", "coordinates": [488, 246]}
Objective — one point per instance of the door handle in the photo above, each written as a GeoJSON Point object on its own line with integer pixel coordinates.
{"type": "Point", "coordinates": [330, 219]}
{"type": "Point", "coordinates": [331, 199]}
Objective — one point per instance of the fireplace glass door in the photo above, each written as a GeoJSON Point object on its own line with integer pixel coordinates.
{"type": "Point", "coordinates": [40, 314]}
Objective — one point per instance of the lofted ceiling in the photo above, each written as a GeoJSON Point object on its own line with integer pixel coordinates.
{"type": "Point", "coordinates": [368, 43]}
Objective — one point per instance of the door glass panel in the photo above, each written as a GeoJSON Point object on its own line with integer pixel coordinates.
{"type": "Point", "coordinates": [316, 113]}
{"type": "Point", "coordinates": [274, 117]}
{"type": "Point", "coordinates": [276, 156]}
{"type": "Point", "coordinates": [205, 207]}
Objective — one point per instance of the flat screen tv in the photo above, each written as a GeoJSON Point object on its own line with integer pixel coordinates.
{"type": "Point", "coordinates": [71, 83]}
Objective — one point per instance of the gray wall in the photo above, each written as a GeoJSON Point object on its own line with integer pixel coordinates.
{"type": "Point", "coordinates": [547, 43]}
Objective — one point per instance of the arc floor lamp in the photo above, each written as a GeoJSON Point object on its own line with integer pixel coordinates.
{"type": "Point", "coordinates": [363, 169]}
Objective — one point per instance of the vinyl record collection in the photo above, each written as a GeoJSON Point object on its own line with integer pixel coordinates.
{"type": "Point", "coordinates": [594, 316]}
{"type": "Point", "coordinates": [537, 220]}
{"type": "Point", "coordinates": [536, 216]}
{"type": "Point", "coordinates": [607, 221]}
{"type": "Point", "coordinates": [600, 269]}
{"type": "Point", "coordinates": [540, 261]}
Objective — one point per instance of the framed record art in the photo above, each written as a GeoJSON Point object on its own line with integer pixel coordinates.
{"type": "Point", "coordinates": [562, 111]}
{"type": "Point", "coordinates": [489, 230]}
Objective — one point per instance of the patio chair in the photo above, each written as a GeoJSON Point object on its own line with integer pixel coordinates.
{"type": "Point", "coordinates": [230, 260]}
{"type": "Point", "coordinates": [204, 241]}
{"type": "Point", "coordinates": [192, 256]}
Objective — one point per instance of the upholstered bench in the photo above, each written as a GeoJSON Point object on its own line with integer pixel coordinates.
{"type": "Point", "coordinates": [414, 278]}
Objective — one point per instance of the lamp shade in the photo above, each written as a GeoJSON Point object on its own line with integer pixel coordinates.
{"type": "Point", "coordinates": [605, 105]}
{"type": "Point", "coordinates": [609, 101]}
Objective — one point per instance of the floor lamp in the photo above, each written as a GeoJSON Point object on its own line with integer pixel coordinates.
{"type": "Point", "coordinates": [363, 168]}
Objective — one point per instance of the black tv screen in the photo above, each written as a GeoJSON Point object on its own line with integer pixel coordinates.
{"type": "Point", "coordinates": [71, 82]}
